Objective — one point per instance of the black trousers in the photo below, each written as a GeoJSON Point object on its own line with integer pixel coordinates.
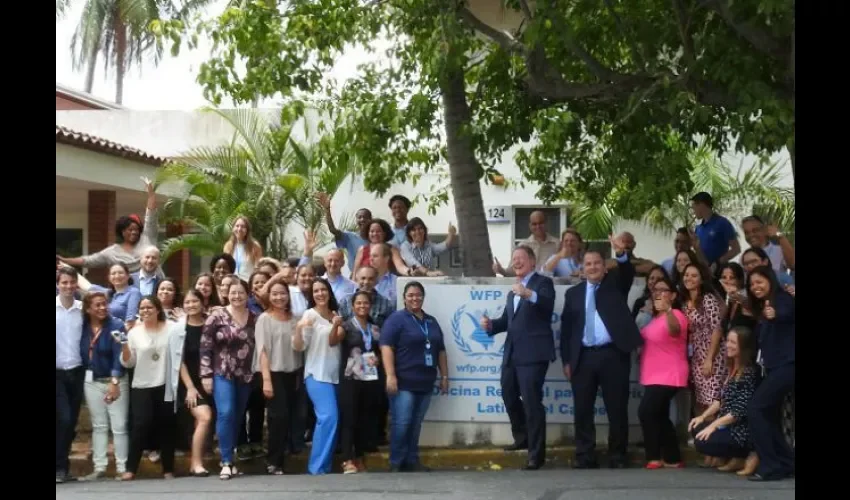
{"type": "Point", "coordinates": [69, 397]}
{"type": "Point", "coordinates": [251, 428]}
{"type": "Point", "coordinates": [719, 444]}
{"type": "Point", "coordinates": [281, 412]}
{"type": "Point", "coordinates": [776, 457]}
{"type": "Point", "coordinates": [298, 424]}
{"type": "Point", "coordinates": [153, 419]}
{"type": "Point", "coordinates": [608, 368]}
{"type": "Point", "coordinates": [358, 403]}
{"type": "Point", "coordinates": [522, 393]}
{"type": "Point", "coordinates": [659, 433]}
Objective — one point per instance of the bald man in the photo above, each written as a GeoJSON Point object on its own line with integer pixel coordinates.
{"type": "Point", "coordinates": [540, 241]}
{"type": "Point", "coordinates": [147, 278]}
{"type": "Point", "coordinates": [642, 266]}
{"type": "Point", "coordinates": [341, 286]}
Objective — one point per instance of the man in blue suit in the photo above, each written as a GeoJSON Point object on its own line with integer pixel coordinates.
{"type": "Point", "coordinates": [598, 336]}
{"type": "Point", "coordinates": [529, 348]}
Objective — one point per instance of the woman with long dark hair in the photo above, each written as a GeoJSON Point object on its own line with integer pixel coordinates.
{"type": "Point", "coordinates": [663, 372]}
{"type": "Point", "coordinates": [776, 313]}
{"type": "Point", "coordinates": [146, 350]}
{"type": "Point", "coordinates": [318, 334]}
{"type": "Point", "coordinates": [721, 431]}
{"type": "Point", "coordinates": [282, 371]}
{"type": "Point", "coordinates": [169, 294]}
{"type": "Point", "coordinates": [246, 250]}
{"type": "Point", "coordinates": [106, 389]}
{"type": "Point", "coordinates": [227, 352]}
{"type": "Point", "coordinates": [206, 286]}
{"type": "Point", "coordinates": [359, 386]}
{"type": "Point", "coordinates": [190, 391]}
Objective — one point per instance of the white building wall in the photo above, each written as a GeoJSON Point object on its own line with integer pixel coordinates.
{"type": "Point", "coordinates": [171, 133]}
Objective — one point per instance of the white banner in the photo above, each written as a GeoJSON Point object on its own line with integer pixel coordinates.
{"type": "Point", "coordinates": [475, 358]}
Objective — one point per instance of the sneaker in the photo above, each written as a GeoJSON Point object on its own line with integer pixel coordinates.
{"type": "Point", "coordinates": [348, 467]}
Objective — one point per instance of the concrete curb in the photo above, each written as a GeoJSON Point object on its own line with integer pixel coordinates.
{"type": "Point", "coordinates": [474, 459]}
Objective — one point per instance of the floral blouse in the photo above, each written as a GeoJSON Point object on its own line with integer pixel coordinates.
{"type": "Point", "coordinates": [735, 398]}
{"type": "Point", "coordinates": [227, 350]}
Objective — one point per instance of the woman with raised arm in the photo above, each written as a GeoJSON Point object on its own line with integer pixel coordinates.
{"type": "Point", "coordinates": [132, 238]}
{"type": "Point", "coordinates": [663, 372]}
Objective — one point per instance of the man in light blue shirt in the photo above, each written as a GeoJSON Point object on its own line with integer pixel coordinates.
{"type": "Point", "coordinates": [341, 286]}
{"type": "Point", "coordinates": [147, 278]}
{"type": "Point", "coordinates": [386, 280]}
{"type": "Point", "coordinates": [347, 240]}
{"type": "Point", "coordinates": [399, 206]}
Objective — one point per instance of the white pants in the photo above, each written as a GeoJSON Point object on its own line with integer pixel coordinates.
{"type": "Point", "coordinates": [104, 416]}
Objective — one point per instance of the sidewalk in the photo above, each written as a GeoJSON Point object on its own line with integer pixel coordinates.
{"type": "Point", "coordinates": [492, 458]}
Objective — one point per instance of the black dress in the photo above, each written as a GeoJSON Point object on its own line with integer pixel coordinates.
{"type": "Point", "coordinates": [192, 360]}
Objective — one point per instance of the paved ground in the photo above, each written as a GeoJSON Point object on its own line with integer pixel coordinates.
{"type": "Point", "coordinates": [552, 484]}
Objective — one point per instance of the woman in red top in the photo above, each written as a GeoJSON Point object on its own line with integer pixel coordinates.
{"type": "Point", "coordinates": [379, 232]}
{"type": "Point", "coordinates": [663, 371]}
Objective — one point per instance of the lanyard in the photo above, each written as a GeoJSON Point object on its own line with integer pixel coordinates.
{"type": "Point", "coordinates": [423, 326]}
{"type": "Point", "coordinates": [366, 334]}
{"type": "Point", "coordinates": [94, 341]}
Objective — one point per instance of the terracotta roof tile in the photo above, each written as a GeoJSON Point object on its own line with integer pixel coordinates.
{"type": "Point", "coordinates": [65, 135]}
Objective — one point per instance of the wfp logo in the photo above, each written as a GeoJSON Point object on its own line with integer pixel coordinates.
{"type": "Point", "coordinates": [470, 338]}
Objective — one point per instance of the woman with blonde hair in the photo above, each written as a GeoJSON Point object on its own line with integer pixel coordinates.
{"type": "Point", "coordinates": [246, 251]}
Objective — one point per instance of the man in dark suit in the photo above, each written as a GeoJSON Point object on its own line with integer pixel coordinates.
{"type": "Point", "coordinates": [529, 348]}
{"type": "Point", "coordinates": [598, 335]}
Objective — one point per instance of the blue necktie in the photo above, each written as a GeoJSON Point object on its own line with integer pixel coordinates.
{"type": "Point", "coordinates": [590, 316]}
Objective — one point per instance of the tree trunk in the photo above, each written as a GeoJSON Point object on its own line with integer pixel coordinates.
{"type": "Point", "coordinates": [92, 65]}
{"type": "Point", "coordinates": [465, 175]}
{"type": "Point", "coordinates": [120, 58]}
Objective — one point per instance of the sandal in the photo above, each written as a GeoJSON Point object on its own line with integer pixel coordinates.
{"type": "Point", "coordinates": [199, 473]}
{"type": "Point", "coordinates": [274, 470]}
{"type": "Point", "coordinates": [226, 472]}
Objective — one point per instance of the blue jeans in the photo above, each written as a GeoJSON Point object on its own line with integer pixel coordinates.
{"type": "Point", "coordinates": [231, 399]}
{"type": "Point", "coordinates": [323, 396]}
{"type": "Point", "coordinates": [407, 413]}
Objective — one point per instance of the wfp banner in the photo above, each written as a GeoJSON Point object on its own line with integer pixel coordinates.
{"type": "Point", "coordinates": [475, 358]}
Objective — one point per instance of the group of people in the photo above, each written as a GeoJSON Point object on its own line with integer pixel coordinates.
{"type": "Point", "coordinates": [325, 359]}
{"type": "Point", "coordinates": [254, 341]}
{"type": "Point", "coordinates": [723, 332]}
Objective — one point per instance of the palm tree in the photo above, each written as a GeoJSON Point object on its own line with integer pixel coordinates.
{"type": "Point", "coordinates": [264, 173]}
{"type": "Point", "coordinates": [736, 194]}
{"type": "Point", "coordinates": [118, 30]}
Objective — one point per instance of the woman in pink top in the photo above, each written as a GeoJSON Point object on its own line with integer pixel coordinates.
{"type": "Point", "coordinates": [663, 371]}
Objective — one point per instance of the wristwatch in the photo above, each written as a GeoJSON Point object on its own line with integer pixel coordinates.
{"type": "Point", "coordinates": [114, 380]}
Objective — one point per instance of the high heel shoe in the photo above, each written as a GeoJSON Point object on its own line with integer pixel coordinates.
{"type": "Point", "coordinates": [750, 465]}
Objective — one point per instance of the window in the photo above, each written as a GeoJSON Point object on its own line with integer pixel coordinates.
{"type": "Point", "coordinates": [450, 262]}
{"type": "Point", "coordinates": [555, 222]}
{"type": "Point", "coordinates": [69, 242]}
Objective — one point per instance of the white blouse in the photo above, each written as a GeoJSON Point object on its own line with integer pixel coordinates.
{"type": "Point", "coordinates": [322, 361]}
{"type": "Point", "coordinates": [148, 354]}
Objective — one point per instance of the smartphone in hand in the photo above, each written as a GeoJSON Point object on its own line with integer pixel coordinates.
{"type": "Point", "coordinates": [119, 336]}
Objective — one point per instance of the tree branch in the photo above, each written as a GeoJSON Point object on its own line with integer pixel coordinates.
{"type": "Point", "coordinates": [526, 10]}
{"type": "Point", "coordinates": [758, 38]}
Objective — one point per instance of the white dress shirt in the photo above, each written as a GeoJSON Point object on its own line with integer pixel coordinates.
{"type": "Point", "coordinates": [69, 331]}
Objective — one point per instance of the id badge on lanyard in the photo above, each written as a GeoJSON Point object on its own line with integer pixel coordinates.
{"type": "Point", "coordinates": [367, 336]}
{"type": "Point", "coordinates": [423, 326]}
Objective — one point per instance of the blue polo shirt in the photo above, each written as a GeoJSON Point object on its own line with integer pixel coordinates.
{"type": "Point", "coordinates": [714, 235]}
{"type": "Point", "coordinates": [403, 333]}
